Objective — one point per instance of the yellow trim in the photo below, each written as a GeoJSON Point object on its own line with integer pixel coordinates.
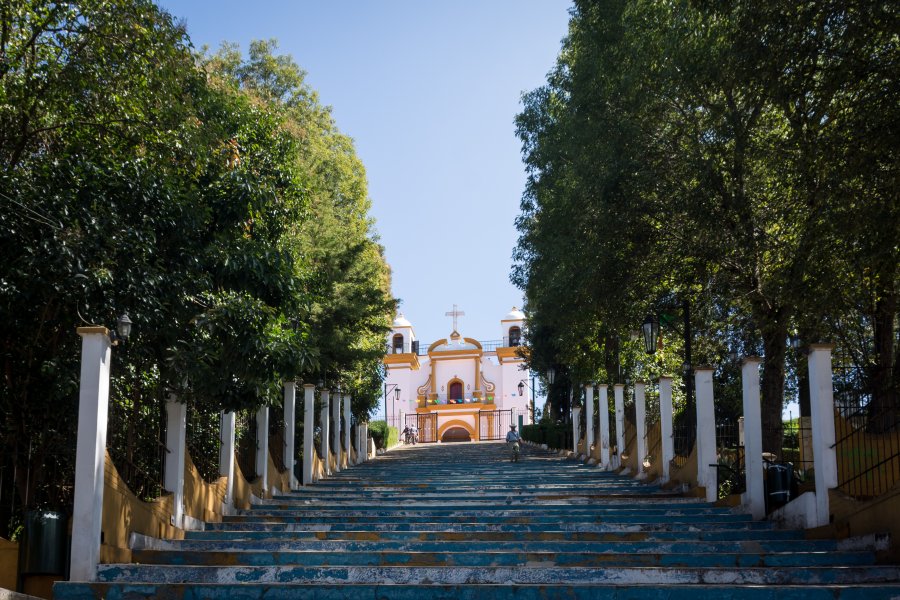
{"type": "Point", "coordinates": [472, 406]}
{"type": "Point", "coordinates": [435, 344]}
{"type": "Point", "coordinates": [402, 360]}
{"type": "Point", "coordinates": [433, 378]}
{"type": "Point", "coordinates": [512, 321]}
{"type": "Point", "coordinates": [475, 343]}
{"type": "Point", "coordinates": [477, 377]}
{"type": "Point", "coordinates": [509, 353]}
{"type": "Point", "coordinates": [478, 347]}
{"type": "Point", "coordinates": [92, 330]}
{"type": "Point", "coordinates": [457, 423]}
{"type": "Point", "coordinates": [445, 354]}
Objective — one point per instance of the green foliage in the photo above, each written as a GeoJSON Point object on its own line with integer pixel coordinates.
{"type": "Point", "coordinates": [556, 435]}
{"type": "Point", "coordinates": [699, 155]}
{"type": "Point", "coordinates": [212, 198]}
{"type": "Point", "coordinates": [383, 434]}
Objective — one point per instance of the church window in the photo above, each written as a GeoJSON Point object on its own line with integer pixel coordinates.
{"type": "Point", "coordinates": [515, 336]}
{"type": "Point", "coordinates": [398, 343]}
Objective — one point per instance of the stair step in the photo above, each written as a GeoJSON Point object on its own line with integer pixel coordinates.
{"type": "Point", "coordinates": [350, 591]}
{"type": "Point", "coordinates": [455, 523]}
{"type": "Point", "coordinates": [499, 558]}
{"type": "Point", "coordinates": [177, 574]}
{"type": "Point", "coordinates": [617, 547]}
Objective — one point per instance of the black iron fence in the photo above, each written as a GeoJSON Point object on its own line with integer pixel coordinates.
{"type": "Point", "coordinates": [613, 434]}
{"type": "Point", "coordinates": [276, 436]}
{"type": "Point", "coordinates": [245, 442]}
{"type": "Point", "coordinates": [204, 439]}
{"type": "Point", "coordinates": [33, 480]}
{"type": "Point", "coordinates": [730, 471]}
{"type": "Point", "coordinates": [493, 424]}
{"type": "Point", "coordinates": [867, 434]}
{"type": "Point", "coordinates": [136, 440]}
{"type": "Point", "coordinates": [684, 434]}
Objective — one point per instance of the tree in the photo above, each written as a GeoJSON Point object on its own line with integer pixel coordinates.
{"type": "Point", "coordinates": [698, 150]}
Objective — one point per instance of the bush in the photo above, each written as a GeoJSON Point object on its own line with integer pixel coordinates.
{"type": "Point", "coordinates": [555, 435]}
{"type": "Point", "coordinates": [383, 435]}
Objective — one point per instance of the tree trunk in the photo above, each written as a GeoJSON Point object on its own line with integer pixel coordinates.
{"type": "Point", "coordinates": [774, 346]}
{"type": "Point", "coordinates": [884, 411]}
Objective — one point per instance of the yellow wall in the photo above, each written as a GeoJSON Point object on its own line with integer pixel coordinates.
{"type": "Point", "coordinates": [630, 447]}
{"type": "Point", "coordinates": [654, 450]}
{"type": "Point", "coordinates": [861, 451]}
{"type": "Point", "coordinates": [9, 562]}
{"type": "Point", "coordinates": [881, 515]}
{"type": "Point", "coordinates": [124, 513]}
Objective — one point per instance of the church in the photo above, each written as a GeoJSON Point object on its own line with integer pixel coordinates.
{"type": "Point", "coordinates": [457, 388]}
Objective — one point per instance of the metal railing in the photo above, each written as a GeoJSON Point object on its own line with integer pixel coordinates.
{"type": "Point", "coordinates": [613, 437]}
{"type": "Point", "coordinates": [684, 434]}
{"type": "Point", "coordinates": [136, 434]}
{"type": "Point", "coordinates": [245, 442]}
{"type": "Point", "coordinates": [421, 348]}
{"type": "Point", "coordinates": [276, 436]}
{"type": "Point", "coordinates": [730, 471]}
{"type": "Point", "coordinates": [203, 440]}
{"type": "Point", "coordinates": [867, 433]}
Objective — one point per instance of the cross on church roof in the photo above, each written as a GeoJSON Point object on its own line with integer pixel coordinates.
{"type": "Point", "coordinates": [455, 313]}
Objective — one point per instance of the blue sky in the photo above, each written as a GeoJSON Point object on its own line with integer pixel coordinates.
{"type": "Point", "coordinates": [428, 91]}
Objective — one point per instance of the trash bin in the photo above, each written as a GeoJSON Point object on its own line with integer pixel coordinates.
{"type": "Point", "coordinates": [778, 483]}
{"type": "Point", "coordinates": [42, 550]}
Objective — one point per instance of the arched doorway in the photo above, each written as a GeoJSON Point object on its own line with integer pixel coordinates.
{"type": "Point", "coordinates": [515, 336]}
{"type": "Point", "coordinates": [455, 393]}
{"type": "Point", "coordinates": [456, 434]}
{"type": "Point", "coordinates": [398, 343]}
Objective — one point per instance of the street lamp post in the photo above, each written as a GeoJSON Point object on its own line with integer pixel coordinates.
{"type": "Point", "coordinates": [387, 388]}
{"type": "Point", "coordinates": [652, 341]}
{"type": "Point", "coordinates": [522, 385]}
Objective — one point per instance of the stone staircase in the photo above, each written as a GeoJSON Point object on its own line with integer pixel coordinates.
{"type": "Point", "coordinates": [458, 521]}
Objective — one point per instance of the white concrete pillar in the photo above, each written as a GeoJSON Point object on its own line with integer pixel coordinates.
{"type": "Point", "coordinates": [619, 400]}
{"type": "Point", "coordinates": [588, 418]}
{"type": "Point", "coordinates": [90, 452]}
{"type": "Point", "coordinates": [576, 417]}
{"type": "Point", "coordinates": [706, 432]}
{"type": "Point", "coordinates": [262, 448]}
{"type": "Point", "coordinates": [365, 435]}
{"type": "Point", "coordinates": [336, 437]}
{"type": "Point", "coordinates": [753, 463]}
{"type": "Point", "coordinates": [346, 403]}
{"type": "Point", "coordinates": [173, 481]}
{"type": "Point", "coordinates": [640, 418]}
{"type": "Point", "coordinates": [821, 405]}
{"type": "Point", "coordinates": [325, 395]}
{"type": "Point", "coordinates": [666, 426]}
{"type": "Point", "coordinates": [309, 426]}
{"type": "Point", "coordinates": [290, 431]}
{"type": "Point", "coordinates": [603, 410]}
{"type": "Point", "coordinates": [226, 455]}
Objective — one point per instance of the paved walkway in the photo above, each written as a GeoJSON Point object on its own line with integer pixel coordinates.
{"type": "Point", "coordinates": [461, 521]}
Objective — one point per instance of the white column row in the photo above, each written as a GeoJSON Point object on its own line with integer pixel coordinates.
{"type": "Point", "coordinates": [823, 433]}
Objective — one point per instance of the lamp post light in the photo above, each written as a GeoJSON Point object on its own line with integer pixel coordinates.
{"type": "Point", "coordinates": [650, 327]}
{"type": "Point", "coordinates": [522, 385]}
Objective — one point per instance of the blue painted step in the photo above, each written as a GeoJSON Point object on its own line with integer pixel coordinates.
{"type": "Point", "coordinates": [457, 522]}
